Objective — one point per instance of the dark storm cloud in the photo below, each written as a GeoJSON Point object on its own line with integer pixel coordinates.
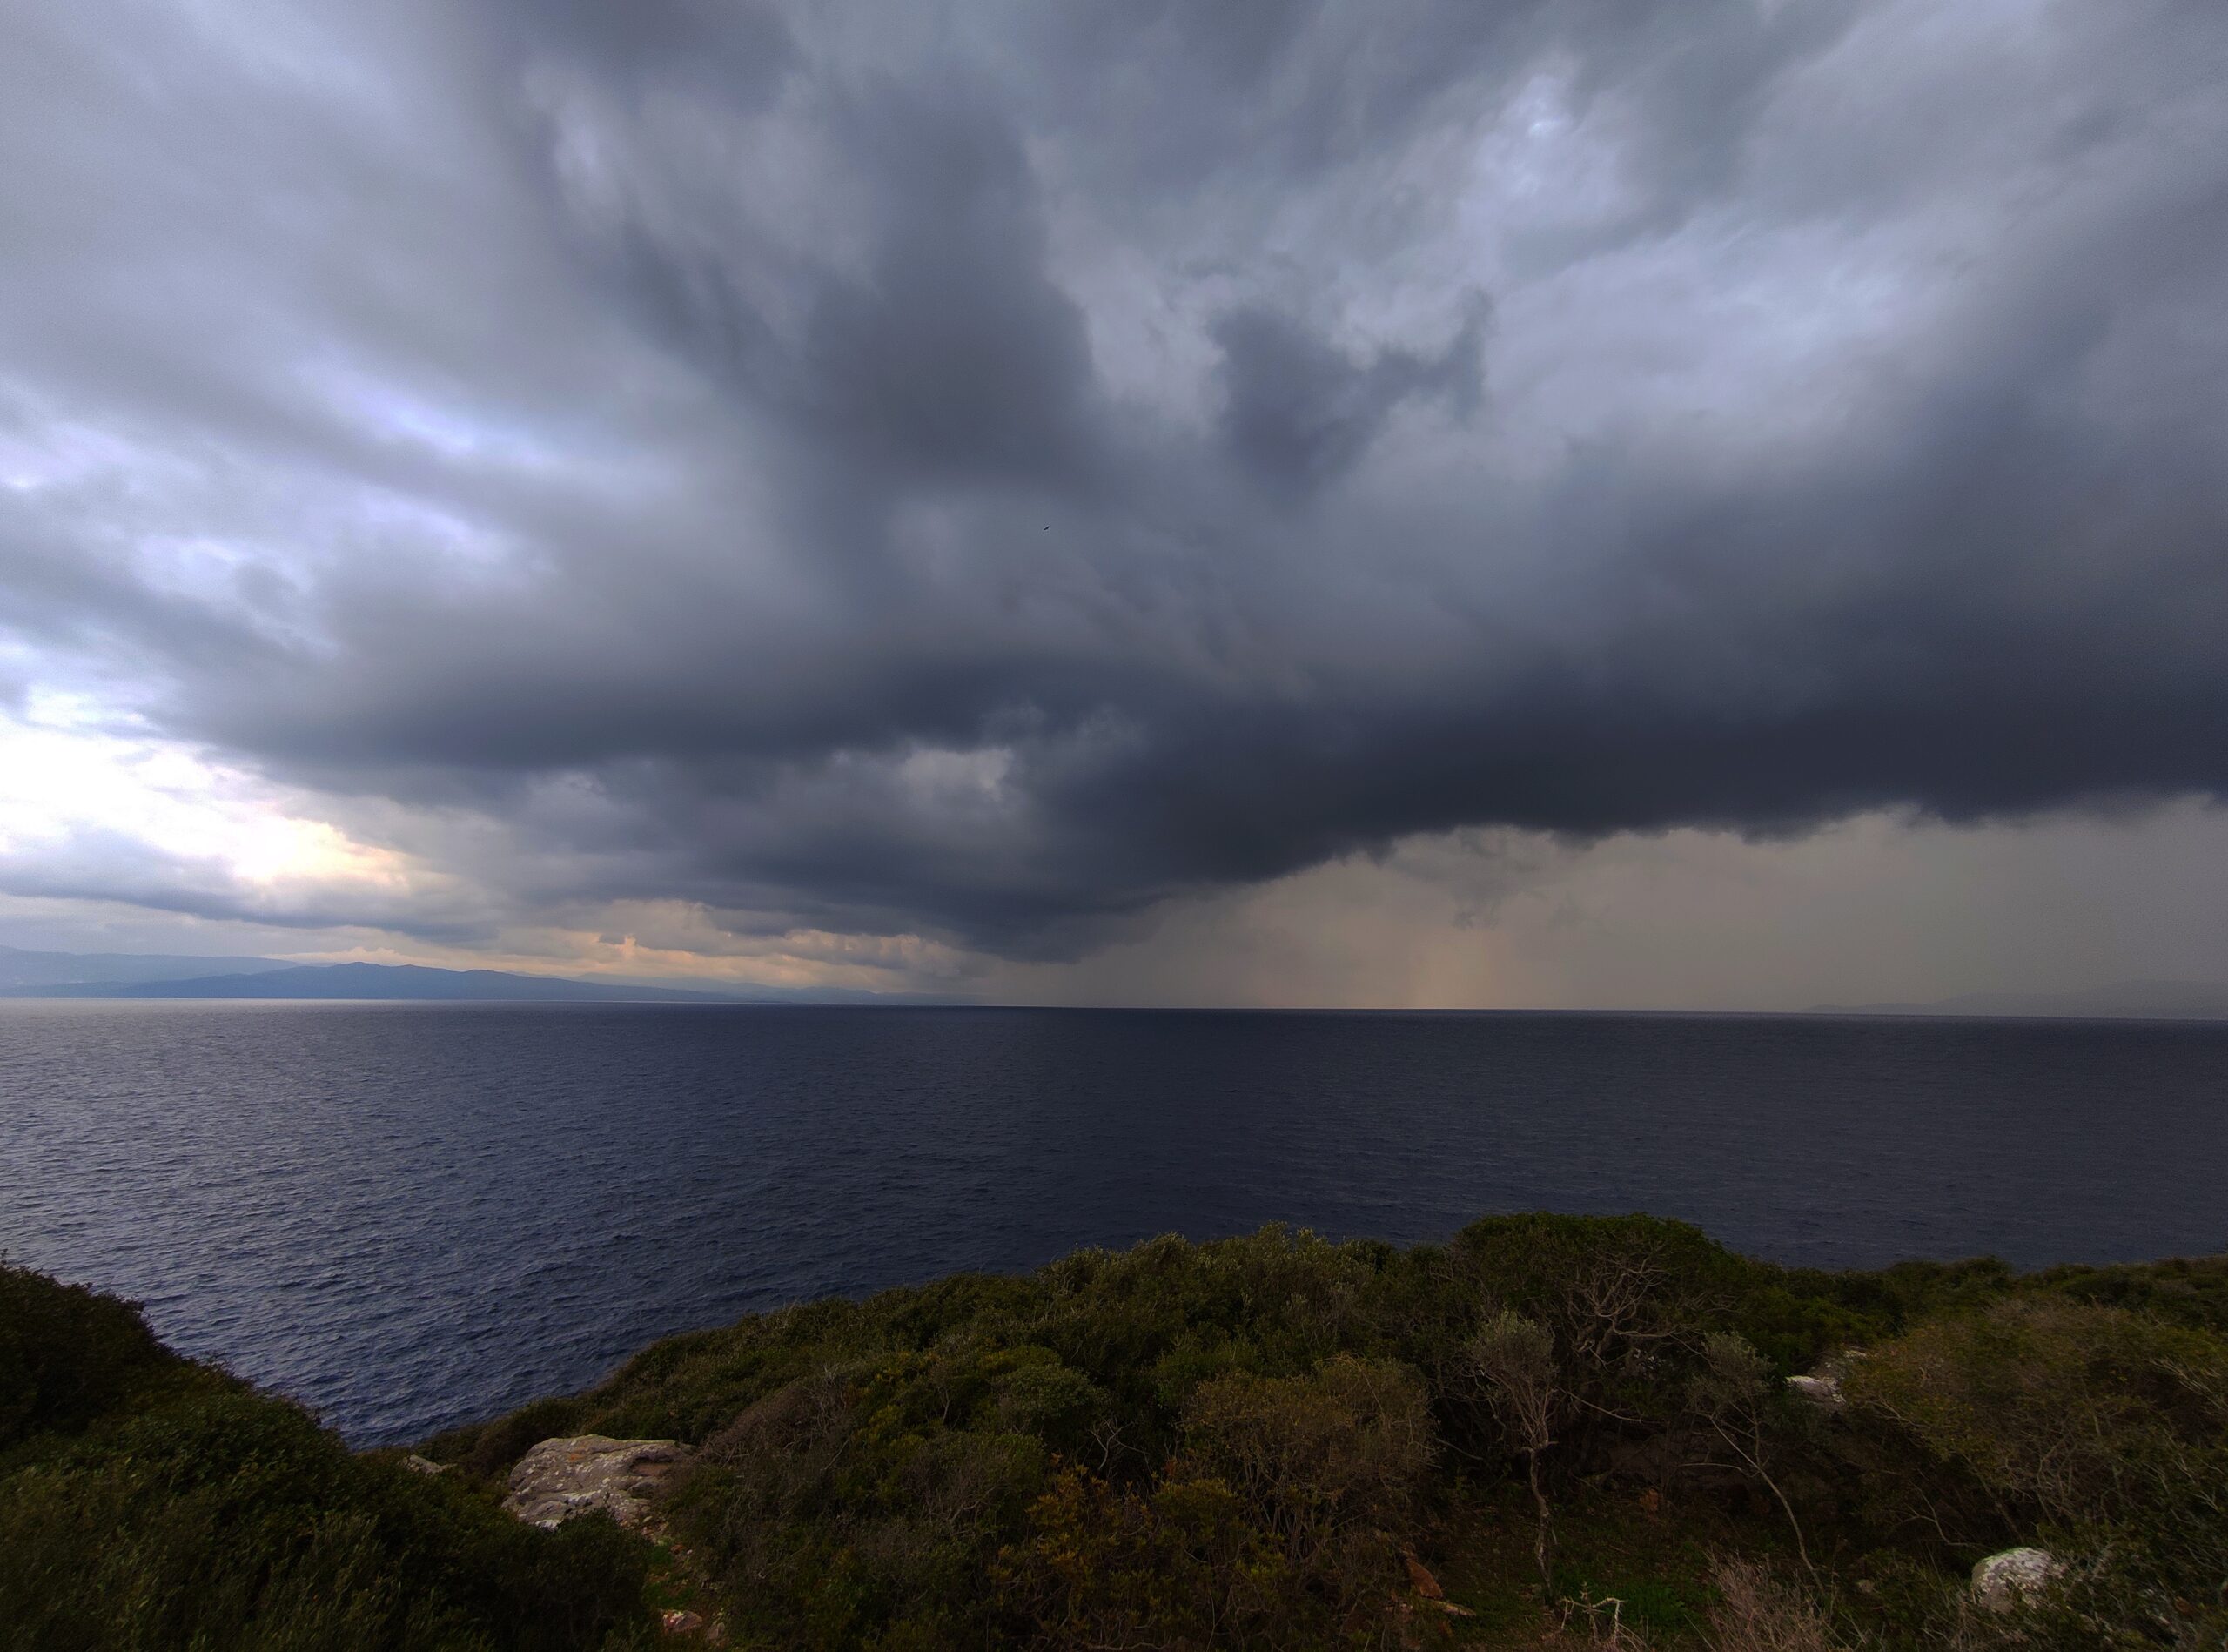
{"type": "Point", "coordinates": [981, 473]}
{"type": "Point", "coordinates": [1297, 412]}
{"type": "Point", "coordinates": [949, 356]}
{"type": "Point", "coordinates": [740, 51]}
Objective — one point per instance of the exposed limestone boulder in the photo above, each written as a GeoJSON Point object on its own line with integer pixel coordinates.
{"type": "Point", "coordinates": [559, 1479]}
{"type": "Point", "coordinates": [2014, 1577]}
{"type": "Point", "coordinates": [1822, 1390]}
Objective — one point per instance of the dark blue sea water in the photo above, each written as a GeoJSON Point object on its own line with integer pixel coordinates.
{"type": "Point", "coordinates": [413, 1215]}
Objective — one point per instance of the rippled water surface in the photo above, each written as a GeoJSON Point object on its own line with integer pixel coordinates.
{"type": "Point", "coordinates": [411, 1215]}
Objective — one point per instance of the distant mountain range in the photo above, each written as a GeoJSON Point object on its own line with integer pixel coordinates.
{"type": "Point", "coordinates": [22, 969]}
{"type": "Point", "coordinates": [2127, 1000]}
{"type": "Point", "coordinates": [132, 975]}
{"type": "Point", "coordinates": [45, 975]}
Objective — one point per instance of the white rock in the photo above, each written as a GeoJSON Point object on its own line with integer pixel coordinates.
{"type": "Point", "coordinates": [1823, 1391]}
{"type": "Point", "coordinates": [559, 1479]}
{"type": "Point", "coordinates": [2016, 1577]}
{"type": "Point", "coordinates": [418, 1464]}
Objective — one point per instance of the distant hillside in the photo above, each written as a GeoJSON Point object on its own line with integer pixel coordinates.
{"type": "Point", "coordinates": [2127, 1000]}
{"type": "Point", "coordinates": [409, 982]}
{"type": "Point", "coordinates": [19, 967]}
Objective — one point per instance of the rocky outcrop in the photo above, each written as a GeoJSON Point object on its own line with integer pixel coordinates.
{"type": "Point", "coordinates": [418, 1464]}
{"type": "Point", "coordinates": [1820, 1389]}
{"type": "Point", "coordinates": [559, 1479]}
{"type": "Point", "coordinates": [2014, 1577]}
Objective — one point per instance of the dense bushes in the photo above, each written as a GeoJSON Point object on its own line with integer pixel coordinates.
{"type": "Point", "coordinates": [66, 1355]}
{"type": "Point", "coordinates": [2103, 1431]}
{"type": "Point", "coordinates": [1549, 1429]}
{"type": "Point", "coordinates": [1269, 1440]}
{"type": "Point", "coordinates": [149, 1502]}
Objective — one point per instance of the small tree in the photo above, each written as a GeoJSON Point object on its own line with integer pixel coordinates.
{"type": "Point", "coordinates": [1512, 1359]}
{"type": "Point", "coordinates": [1732, 1395]}
{"type": "Point", "coordinates": [1316, 1458]}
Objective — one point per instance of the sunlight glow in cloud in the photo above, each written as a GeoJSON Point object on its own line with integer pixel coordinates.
{"type": "Point", "coordinates": [67, 771]}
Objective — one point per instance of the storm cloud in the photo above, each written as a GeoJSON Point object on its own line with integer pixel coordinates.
{"type": "Point", "coordinates": [979, 471]}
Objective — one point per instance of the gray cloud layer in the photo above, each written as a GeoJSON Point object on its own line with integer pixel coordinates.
{"type": "Point", "coordinates": [980, 471]}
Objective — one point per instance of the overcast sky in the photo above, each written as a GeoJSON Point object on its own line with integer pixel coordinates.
{"type": "Point", "coordinates": [1430, 501]}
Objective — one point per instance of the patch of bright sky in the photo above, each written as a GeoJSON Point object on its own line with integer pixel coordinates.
{"type": "Point", "coordinates": [69, 768]}
{"type": "Point", "coordinates": [375, 403]}
{"type": "Point", "coordinates": [682, 942]}
{"type": "Point", "coordinates": [41, 450]}
{"type": "Point", "coordinates": [289, 47]}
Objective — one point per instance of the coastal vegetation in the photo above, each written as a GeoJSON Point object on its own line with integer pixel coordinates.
{"type": "Point", "coordinates": [1550, 1431]}
{"type": "Point", "coordinates": [152, 1503]}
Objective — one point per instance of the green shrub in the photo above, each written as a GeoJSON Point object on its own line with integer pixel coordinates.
{"type": "Point", "coordinates": [2069, 1412]}
{"type": "Point", "coordinates": [2101, 1432]}
{"type": "Point", "coordinates": [1179, 1567]}
{"type": "Point", "coordinates": [2186, 1291]}
{"type": "Point", "coordinates": [165, 1505]}
{"type": "Point", "coordinates": [1318, 1461]}
{"type": "Point", "coordinates": [67, 1355]}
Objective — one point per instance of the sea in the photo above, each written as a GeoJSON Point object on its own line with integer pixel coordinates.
{"type": "Point", "coordinates": [409, 1215]}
